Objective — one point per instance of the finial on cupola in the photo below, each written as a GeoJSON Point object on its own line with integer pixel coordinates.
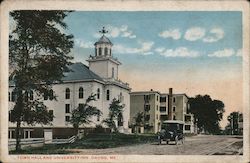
{"type": "Point", "coordinates": [103, 31]}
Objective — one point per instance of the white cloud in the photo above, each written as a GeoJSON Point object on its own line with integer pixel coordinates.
{"type": "Point", "coordinates": [144, 49]}
{"type": "Point", "coordinates": [84, 44]}
{"type": "Point", "coordinates": [214, 35]}
{"type": "Point", "coordinates": [194, 33]}
{"type": "Point", "coordinates": [121, 31]}
{"type": "Point", "coordinates": [160, 49]}
{"type": "Point", "coordinates": [239, 52]}
{"type": "Point", "coordinates": [179, 52]}
{"type": "Point", "coordinates": [171, 33]}
{"type": "Point", "coordinates": [222, 53]}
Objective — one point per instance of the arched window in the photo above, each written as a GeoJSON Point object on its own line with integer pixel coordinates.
{"type": "Point", "coordinates": [67, 93]}
{"type": "Point", "coordinates": [98, 93]}
{"type": "Point", "coordinates": [106, 51]}
{"type": "Point", "coordinates": [51, 94]}
{"type": "Point", "coordinates": [113, 72]}
{"type": "Point", "coordinates": [120, 120]}
{"type": "Point", "coordinates": [100, 51]}
{"type": "Point", "coordinates": [13, 96]}
{"type": "Point", "coordinates": [80, 92]}
{"type": "Point", "coordinates": [108, 95]}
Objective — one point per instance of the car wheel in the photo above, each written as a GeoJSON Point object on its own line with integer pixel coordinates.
{"type": "Point", "coordinates": [159, 140]}
{"type": "Point", "coordinates": [176, 140]}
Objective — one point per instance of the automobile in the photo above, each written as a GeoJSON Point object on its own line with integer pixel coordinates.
{"type": "Point", "coordinates": [171, 130]}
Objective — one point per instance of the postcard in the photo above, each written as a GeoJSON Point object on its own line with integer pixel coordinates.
{"type": "Point", "coordinates": [124, 81]}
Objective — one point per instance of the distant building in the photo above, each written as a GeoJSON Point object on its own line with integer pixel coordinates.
{"type": "Point", "coordinates": [158, 107]}
{"type": "Point", "coordinates": [235, 125]}
{"type": "Point", "coordinates": [100, 78]}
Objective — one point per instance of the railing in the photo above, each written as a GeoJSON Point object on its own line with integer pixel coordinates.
{"type": "Point", "coordinates": [64, 141]}
{"type": "Point", "coordinates": [26, 142]}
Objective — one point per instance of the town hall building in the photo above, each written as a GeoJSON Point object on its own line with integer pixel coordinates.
{"type": "Point", "coordinates": [100, 77]}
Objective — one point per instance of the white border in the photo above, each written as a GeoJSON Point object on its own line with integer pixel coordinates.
{"type": "Point", "coordinates": [117, 5]}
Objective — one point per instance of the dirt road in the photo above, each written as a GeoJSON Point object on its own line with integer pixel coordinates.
{"type": "Point", "coordinates": [196, 145]}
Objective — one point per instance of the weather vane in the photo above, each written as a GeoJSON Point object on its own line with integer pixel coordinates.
{"type": "Point", "coordinates": [103, 31]}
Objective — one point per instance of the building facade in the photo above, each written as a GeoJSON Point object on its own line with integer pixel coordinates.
{"type": "Point", "coordinates": [100, 78]}
{"type": "Point", "coordinates": [163, 106]}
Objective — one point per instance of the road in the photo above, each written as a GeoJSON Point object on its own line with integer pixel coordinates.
{"type": "Point", "coordinates": [195, 145]}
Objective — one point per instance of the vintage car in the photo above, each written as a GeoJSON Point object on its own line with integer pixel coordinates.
{"type": "Point", "coordinates": [171, 130]}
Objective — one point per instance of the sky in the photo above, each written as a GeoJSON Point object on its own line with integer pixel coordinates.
{"type": "Point", "coordinates": [191, 52]}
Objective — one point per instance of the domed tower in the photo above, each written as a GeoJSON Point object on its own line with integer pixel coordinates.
{"type": "Point", "coordinates": [103, 63]}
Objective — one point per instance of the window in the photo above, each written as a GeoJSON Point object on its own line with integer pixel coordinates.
{"type": "Point", "coordinates": [157, 107]}
{"type": "Point", "coordinates": [113, 72]}
{"type": "Point", "coordinates": [174, 118]}
{"type": "Point", "coordinates": [110, 52]}
{"type": "Point", "coordinates": [174, 100]}
{"type": "Point", "coordinates": [157, 116]}
{"type": "Point", "coordinates": [100, 51]}
{"type": "Point", "coordinates": [157, 98]}
{"type": "Point", "coordinates": [45, 95]}
{"type": "Point", "coordinates": [51, 112]}
{"type": "Point", "coordinates": [95, 51]}
{"type": "Point", "coordinates": [106, 51]}
{"type": "Point", "coordinates": [187, 118]}
{"type": "Point", "coordinates": [98, 93]}
{"type": "Point", "coordinates": [120, 97]}
{"type": "Point", "coordinates": [146, 108]}
{"type": "Point", "coordinates": [187, 127]}
{"type": "Point", "coordinates": [108, 95]}
{"type": "Point", "coordinates": [146, 98]}
{"type": "Point", "coordinates": [67, 93]}
{"type": "Point", "coordinates": [26, 134]}
{"type": "Point", "coordinates": [162, 99]}
{"type": "Point", "coordinates": [162, 109]}
{"type": "Point", "coordinates": [147, 117]}
{"type": "Point", "coordinates": [80, 92]}
{"type": "Point", "coordinates": [80, 105]}
{"type": "Point", "coordinates": [174, 109]}
{"type": "Point", "coordinates": [120, 120]}
{"type": "Point", "coordinates": [13, 96]}
{"type": "Point", "coordinates": [67, 118]}
{"type": "Point", "coordinates": [67, 108]}
{"type": "Point", "coordinates": [9, 96]}
{"type": "Point", "coordinates": [51, 94]}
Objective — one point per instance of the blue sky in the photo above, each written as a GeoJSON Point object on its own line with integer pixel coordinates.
{"type": "Point", "coordinates": [169, 39]}
{"type": "Point", "coordinates": [192, 52]}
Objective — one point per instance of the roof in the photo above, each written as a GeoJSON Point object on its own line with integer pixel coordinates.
{"type": "Point", "coordinates": [79, 71]}
{"type": "Point", "coordinates": [144, 92]}
{"type": "Point", "coordinates": [103, 39]}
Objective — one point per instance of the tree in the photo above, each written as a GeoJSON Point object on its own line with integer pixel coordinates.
{"type": "Point", "coordinates": [207, 113]}
{"type": "Point", "coordinates": [139, 118]}
{"type": "Point", "coordinates": [115, 114]}
{"type": "Point", "coordinates": [38, 55]}
{"type": "Point", "coordinates": [83, 113]}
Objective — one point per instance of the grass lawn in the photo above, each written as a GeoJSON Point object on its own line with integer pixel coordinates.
{"type": "Point", "coordinates": [92, 141]}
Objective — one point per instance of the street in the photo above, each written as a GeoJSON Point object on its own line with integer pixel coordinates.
{"type": "Point", "coordinates": [195, 145]}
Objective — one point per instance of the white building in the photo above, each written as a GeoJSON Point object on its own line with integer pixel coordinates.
{"type": "Point", "coordinates": [101, 78]}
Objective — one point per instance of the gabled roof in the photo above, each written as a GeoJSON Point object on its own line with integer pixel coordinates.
{"type": "Point", "coordinates": [79, 71]}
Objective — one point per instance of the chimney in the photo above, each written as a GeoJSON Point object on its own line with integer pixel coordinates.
{"type": "Point", "coordinates": [170, 104]}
